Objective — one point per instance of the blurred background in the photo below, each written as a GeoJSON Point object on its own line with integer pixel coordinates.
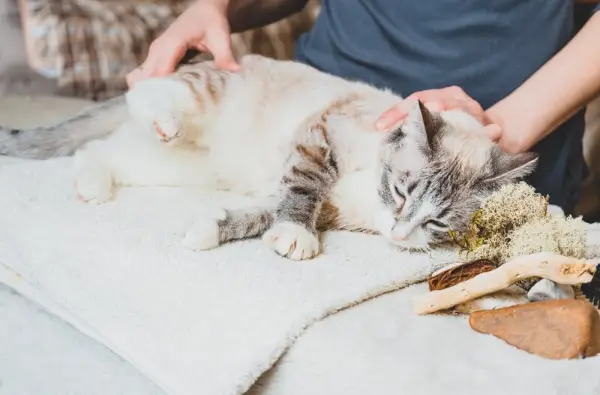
{"type": "Point", "coordinates": [84, 49]}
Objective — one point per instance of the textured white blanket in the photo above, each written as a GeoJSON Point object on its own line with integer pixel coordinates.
{"type": "Point", "coordinates": [193, 322]}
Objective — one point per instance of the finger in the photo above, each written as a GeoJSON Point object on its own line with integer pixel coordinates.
{"type": "Point", "coordinates": [163, 58]}
{"type": "Point", "coordinates": [220, 47]}
{"type": "Point", "coordinates": [457, 92]}
{"type": "Point", "coordinates": [428, 95]}
{"type": "Point", "coordinates": [435, 106]}
{"type": "Point", "coordinates": [391, 117]}
{"type": "Point", "coordinates": [133, 77]}
{"type": "Point", "coordinates": [443, 104]}
{"type": "Point", "coordinates": [473, 107]}
{"type": "Point", "coordinates": [493, 132]}
{"type": "Point", "coordinates": [469, 106]}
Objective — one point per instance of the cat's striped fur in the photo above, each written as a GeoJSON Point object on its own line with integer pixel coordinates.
{"type": "Point", "coordinates": [300, 141]}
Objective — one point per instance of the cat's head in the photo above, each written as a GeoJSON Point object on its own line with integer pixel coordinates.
{"type": "Point", "coordinates": [437, 168]}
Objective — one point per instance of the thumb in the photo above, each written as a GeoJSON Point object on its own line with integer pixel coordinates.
{"type": "Point", "coordinates": [493, 131]}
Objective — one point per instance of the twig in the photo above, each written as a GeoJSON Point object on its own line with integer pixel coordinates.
{"type": "Point", "coordinates": [558, 268]}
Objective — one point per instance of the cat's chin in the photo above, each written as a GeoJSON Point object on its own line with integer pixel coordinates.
{"type": "Point", "coordinates": [409, 247]}
{"type": "Point", "coordinates": [384, 221]}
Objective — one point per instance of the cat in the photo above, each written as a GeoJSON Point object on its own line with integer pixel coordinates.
{"type": "Point", "coordinates": [300, 141]}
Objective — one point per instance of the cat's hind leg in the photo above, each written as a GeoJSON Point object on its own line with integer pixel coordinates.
{"type": "Point", "coordinates": [163, 105]}
{"type": "Point", "coordinates": [93, 176]}
{"type": "Point", "coordinates": [178, 106]}
{"type": "Point", "coordinates": [311, 174]}
{"type": "Point", "coordinates": [129, 158]}
{"type": "Point", "coordinates": [228, 225]}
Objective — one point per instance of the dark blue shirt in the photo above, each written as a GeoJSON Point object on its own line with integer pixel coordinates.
{"type": "Point", "coordinates": [488, 48]}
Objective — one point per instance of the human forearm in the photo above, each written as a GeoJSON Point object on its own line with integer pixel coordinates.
{"type": "Point", "coordinates": [554, 93]}
{"type": "Point", "coordinates": [250, 14]}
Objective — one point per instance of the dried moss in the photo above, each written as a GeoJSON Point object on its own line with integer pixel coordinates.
{"type": "Point", "coordinates": [512, 206]}
{"type": "Point", "coordinates": [571, 234]}
{"type": "Point", "coordinates": [531, 237]}
{"type": "Point", "coordinates": [493, 249]}
{"type": "Point", "coordinates": [514, 221]}
{"type": "Point", "coordinates": [553, 233]}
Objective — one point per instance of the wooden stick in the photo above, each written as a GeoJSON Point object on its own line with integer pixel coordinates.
{"type": "Point", "coordinates": [554, 267]}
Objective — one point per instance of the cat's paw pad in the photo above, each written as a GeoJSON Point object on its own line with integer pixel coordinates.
{"type": "Point", "coordinates": [167, 130]}
{"type": "Point", "coordinates": [163, 102]}
{"type": "Point", "coordinates": [292, 241]}
{"type": "Point", "coordinates": [204, 233]}
{"type": "Point", "coordinates": [93, 190]}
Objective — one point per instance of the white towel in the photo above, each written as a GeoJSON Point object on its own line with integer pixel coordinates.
{"type": "Point", "coordinates": [193, 322]}
{"type": "Point", "coordinates": [366, 350]}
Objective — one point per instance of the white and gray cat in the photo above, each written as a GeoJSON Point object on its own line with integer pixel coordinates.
{"type": "Point", "coordinates": [301, 141]}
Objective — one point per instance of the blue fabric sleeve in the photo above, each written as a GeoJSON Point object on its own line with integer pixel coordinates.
{"type": "Point", "coordinates": [597, 8]}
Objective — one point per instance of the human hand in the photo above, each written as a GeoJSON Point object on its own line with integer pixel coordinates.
{"type": "Point", "coordinates": [442, 100]}
{"type": "Point", "coordinates": [202, 26]}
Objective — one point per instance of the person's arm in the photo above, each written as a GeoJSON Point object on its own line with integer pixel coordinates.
{"type": "Point", "coordinates": [251, 14]}
{"type": "Point", "coordinates": [559, 89]}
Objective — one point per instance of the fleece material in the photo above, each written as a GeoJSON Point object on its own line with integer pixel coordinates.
{"type": "Point", "coordinates": [194, 322]}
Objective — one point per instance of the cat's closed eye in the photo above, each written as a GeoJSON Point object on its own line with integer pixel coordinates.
{"type": "Point", "coordinates": [399, 197]}
{"type": "Point", "coordinates": [436, 224]}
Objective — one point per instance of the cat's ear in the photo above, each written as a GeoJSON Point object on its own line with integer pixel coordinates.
{"type": "Point", "coordinates": [507, 168]}
{"type": "Point", "coordinates": [428, 124]}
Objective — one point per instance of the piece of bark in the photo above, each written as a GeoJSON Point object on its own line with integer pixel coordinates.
{"type": "Point", "coordinates": [554, 329]}
{"type": "Point", "coordinates": [449, 277]}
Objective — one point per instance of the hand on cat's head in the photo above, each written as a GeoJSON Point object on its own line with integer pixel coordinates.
{"type": "Point", "coordinates": [438, 100]}
{"type": "Point", "coordinates": [203, 26]}
{"type": "Point", "coordinates": [437, 169]}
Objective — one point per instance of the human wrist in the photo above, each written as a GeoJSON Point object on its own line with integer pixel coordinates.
{"type": "Point", "coordinates": [553, 94]}
{"type": "Point", "coordinates": [519, 126]}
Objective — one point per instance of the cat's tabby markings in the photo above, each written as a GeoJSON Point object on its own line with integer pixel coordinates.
{"type": "Point", "coordinates": [300, 141]}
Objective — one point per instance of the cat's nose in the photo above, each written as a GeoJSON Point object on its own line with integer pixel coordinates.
{"type": "Point", "coordinates": [399, 235]}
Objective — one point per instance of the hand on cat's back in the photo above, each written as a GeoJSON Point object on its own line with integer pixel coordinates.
{"type": "Point", "coordinates": [450, 98]}
{"type": "Point", "coordinates": [203, 26]}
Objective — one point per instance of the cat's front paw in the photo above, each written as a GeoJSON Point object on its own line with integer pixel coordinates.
{"type": "Point", "coordinates": [167, 129]}
{"type": "Point", "coordinates": [292, 241]}
{"type": "Point", "coordinates": [204, 233]}
{"type": "Point", "coordinates": [94, 187]}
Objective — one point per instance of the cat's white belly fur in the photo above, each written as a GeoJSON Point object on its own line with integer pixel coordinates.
{"type": "Point", "coordinates": [282, 126]}
{"type": "Point", "coordinates": [239, 146]}
{"type": "Point", "coordinates": [249, 162]}
{"type": "Point", "coordinates": [241, 131]}
{"type": "Point", "coordinates": [239, 160]}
